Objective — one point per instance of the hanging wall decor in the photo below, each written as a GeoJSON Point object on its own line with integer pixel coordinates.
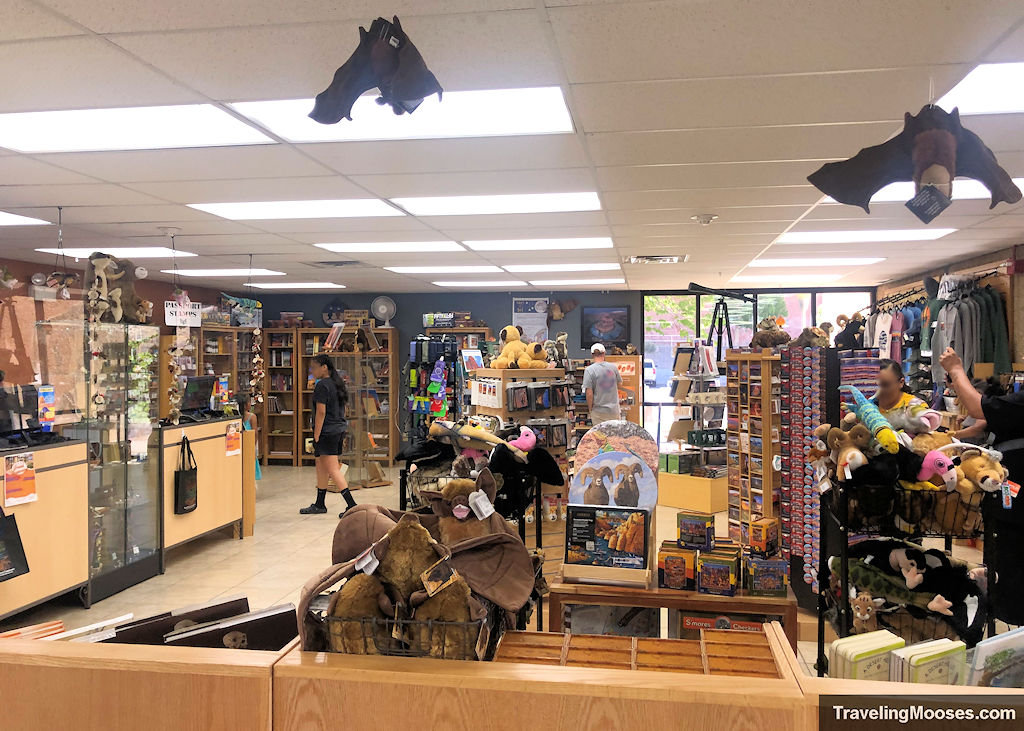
{"type": "Point", "coordinates": [932, 149]}
{"type": "Point", "coordinates": [256, 382]}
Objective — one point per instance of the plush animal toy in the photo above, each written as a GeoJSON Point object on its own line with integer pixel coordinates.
{"type": "Point", "coordinates": [827, 327]}
{"type": "Point", "coordinates": [922, 444]}
{"type": "Point", "coordinates": [813, 337]}
{"type": "Point", "coordinates": [769, 334]}
{"type": "Point", "coordinates": [533, 357]}
{"type": "Point", "coordinates": [512, 348]}
{"type": "Point", "coordinates": [454, 506]}
{"type": "Point", "coordinates": [597, 492]}
{"type": "Point", "coordinates": [437, 631]}
{"type": "Point", "coordinates": [847, 448]}
{"type": "Point", "coordinates": [872, 418]}
{"type": "Point", "coordinates": [864, 608]}
{"type": "Point", "coordinates": [358, 599]}
{"type": "Point", "coordinates": [937, 471]}
{"type": "Point", "coordinates": [852, 335]}
{"type": "Point", "coordinates": [913, 416]}
{"type": "Point", "coordinates": [627, 492]}
{"type": "Point", "coordinates": [562, 347]}
{"type": "Point", "coordinates": [555, 312]}
{"type": "Point", "coordinates": [526, 440]}
{"type": "Point", "coordinates": [551, 351]}
{"type": "Point", "coordinates": [983, 470]}
{"type": "Point", "coordinates": [631, 349]}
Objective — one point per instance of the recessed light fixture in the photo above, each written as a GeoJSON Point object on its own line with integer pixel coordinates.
{"type": "Point", "coordinates": [121, 252]}
{"type": "Point", "coordinates": [480, 205]}
{"type": "Point", "coordinates": [575, 282]}
{"type": "Point", "coordinates": [863, 237]}
{"type": "Point", "coordinates": [223, 272]}
{"type": "Point", "coordinates": [393, 247]}
{"type": "Point", "coordinates": [13, 219]}
{"type": "Point", "coordinates": [786, 278]}
{"type": "Point", "coordinates": [991, 88]}
{"type": "Point", "coordinates": [491, 283]}
{"type": "Point", "coordinates": [130, 128]}
{"type": "Point", "coordinates": [487, 113]}
{"type": "Point", "coordinates": [655, 259]}
{"type": "Point", "coordinates": [811, 262]}
{"type": "Point", "coordinates": [295, 285]}
{"type": "Point", "coordinates": [582, 267]}
{"type": "Point", "coordinates": [602, 242]}
{"type": "Point", "coordinates": [487, 269]}
{"type": "Point", "coordinates": [277, 210]}
{"type": "Point", "coordinates": [963, 189]}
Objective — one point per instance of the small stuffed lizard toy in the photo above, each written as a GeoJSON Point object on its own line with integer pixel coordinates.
{"type": "Point", "coordinates": [872, 418]}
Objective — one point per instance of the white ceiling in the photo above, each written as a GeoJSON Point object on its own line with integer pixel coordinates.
{"type": "Point", "coordinates": [680, 108]}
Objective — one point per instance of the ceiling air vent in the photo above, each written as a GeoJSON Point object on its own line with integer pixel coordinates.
{"type": "Point", "coordinates": [657, 259]}
{"type": "Point", "coordinates": [343, 263]}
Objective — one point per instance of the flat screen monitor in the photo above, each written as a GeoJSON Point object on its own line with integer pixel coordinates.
{"type": "Point", "coordinates": [198, 390]}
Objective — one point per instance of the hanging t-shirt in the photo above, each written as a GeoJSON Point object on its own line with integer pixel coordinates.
{"type": "Point", "coordinates": [896, 337]}
{"type": "Point", "coordinates": [881, 339]}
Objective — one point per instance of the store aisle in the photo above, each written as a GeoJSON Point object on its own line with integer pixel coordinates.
{"type": "Point", "coordinates": [270, 568]}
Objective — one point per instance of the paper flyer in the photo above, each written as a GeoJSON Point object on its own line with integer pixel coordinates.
{"type": "Point", "coordinates": [19, 479]}
{"type": "Point", "coordinates": [233, 439]}
{"type": "Point", "coordinates": [47, 407]}
{"type": "Point", "coordinates": [531, 313]}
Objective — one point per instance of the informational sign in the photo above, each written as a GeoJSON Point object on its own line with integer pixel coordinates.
{"type": "Point", "coordinates": [233, 438]}
{"type": "Point", "coordinates": [531, 313]}
{"type": "Point", "coordinates": [626, 368]}
{"type": "Point", "coordinates": [47, 407]}
{"type": "Point", "coordinates": [19, 479]}
{"type": "Point", "coordinates": [188, 314]}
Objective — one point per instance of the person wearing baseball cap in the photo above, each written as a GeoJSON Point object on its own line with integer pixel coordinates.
{"type": "Point", "coordinates": [601, 381]}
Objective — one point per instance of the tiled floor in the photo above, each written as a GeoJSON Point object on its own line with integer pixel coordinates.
{"type": "Point", "coordinates": [270, 568]}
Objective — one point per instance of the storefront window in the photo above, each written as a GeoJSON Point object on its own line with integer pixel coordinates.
{"type": "Point", "coordinates": [830, 305]}
{"type": "Point", "coordinates": [794, 307]}
{"type": "Point", "coordinates": [741, 322]}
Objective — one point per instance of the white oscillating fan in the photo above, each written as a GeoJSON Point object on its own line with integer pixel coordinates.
{"type": "Point", "coordinates": [383, 308]}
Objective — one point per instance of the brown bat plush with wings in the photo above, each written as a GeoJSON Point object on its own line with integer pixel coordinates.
{"type": "Point", "coordinates": [932, 149]}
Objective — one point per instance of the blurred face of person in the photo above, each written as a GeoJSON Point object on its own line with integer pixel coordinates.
{"type": "Point", "coordinates": [890, 386]}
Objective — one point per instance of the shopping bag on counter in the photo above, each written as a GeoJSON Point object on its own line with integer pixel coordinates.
{"type": "Point", "coordinates": [186, 480]}
{"type": "Point", "coordinates": [12, 552]}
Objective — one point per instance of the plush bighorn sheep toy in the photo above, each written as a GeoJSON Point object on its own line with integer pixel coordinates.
{"type": "Point", "coordinates": [627, 494]}
{"type": "Point", "coordinates": [597, 493]}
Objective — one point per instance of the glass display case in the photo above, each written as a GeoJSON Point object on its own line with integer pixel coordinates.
{"type": "Point", "coordinates": [115, 408]}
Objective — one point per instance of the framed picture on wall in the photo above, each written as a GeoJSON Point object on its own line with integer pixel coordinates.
{"type": "Point", "coordinates": [605, 325]}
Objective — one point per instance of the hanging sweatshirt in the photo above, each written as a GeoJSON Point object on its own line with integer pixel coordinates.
{"type": "Point", "coordinates": [946, 334]}
{"type": "Point", "coordinates": [1001, 338]}
{"type": "Point", "coordinates": [930, 317]}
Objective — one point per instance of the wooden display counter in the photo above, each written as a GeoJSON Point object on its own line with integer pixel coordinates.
{"type": "Point", "coordinates": [220, 481]}
{"type": "Point", "coordinates": [699, 494]}
{"type": "Point", "coordinates": [68, 685]}
{"type": "Point", "coordinates": [314, 691]}
{"type": "Point", "coordinates": [54, 529]}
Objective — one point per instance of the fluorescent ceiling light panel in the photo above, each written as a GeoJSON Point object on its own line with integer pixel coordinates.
{"type": "Point", "coordinates": [834, 262]}
{"type": "Point", "coordinates": [488, 113]}
{"type": "Point", "coordinates": [785, 278]}
{"type": "Point", "coordinates": [393, 247]}
{"type": "Point", "coordinates": [963, 189]}
{"type": "Point", "coordinates": [991, 88]}
{"type": "Point", "coordinates": [445, 270]}
{"type": "Point", "coordinates": [595, 267]}
{"type": "Point", "coordinates": [129, 128]}
{"type": "Point", "coordinates": [575, 282]}
{"type": "Point", "coordinates": [122, 252]}
{"type": "Point", "coordinates": [295, 285]}
{"type": "Point", "coordinates": [223, 272]}
{"type": "Point", "coordinates": [863, 237]}
{"type": "Point", "coordinates": [540, 244]}
{"type": "Point", "coordinates": [13, 219]}
{"type": "Point", "coordinates": [490, 283]}
{"type": "Point", "coordinates": [480, 205]}
{"type": "Point", "coordinates": [278, 210]}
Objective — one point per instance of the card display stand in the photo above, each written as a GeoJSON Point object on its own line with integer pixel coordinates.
{"type": "Point", "coordinates": [466, 337]}
{"type": "Point", "coordinates": [631, 392]}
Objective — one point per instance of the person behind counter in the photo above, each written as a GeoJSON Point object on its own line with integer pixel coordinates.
{"type": "Point", "coordinates": [1004, 416]}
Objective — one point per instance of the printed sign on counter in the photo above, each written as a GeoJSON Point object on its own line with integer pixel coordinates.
{"type": "Point", "coordinates": [19, 479]}
{"type": "Point", "coordinates": [233, 439]}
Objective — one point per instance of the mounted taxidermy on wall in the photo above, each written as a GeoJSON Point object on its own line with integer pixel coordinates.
{"type": "Point", "coordinates": [932, 149]}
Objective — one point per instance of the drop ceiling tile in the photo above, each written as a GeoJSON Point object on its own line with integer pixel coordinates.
{"type": "Point", "coordinates": [80, 73]}
{"type": "Point", "coordinates": [625, 41]}
{"type": "Point", "coordinates": [71, 195]}
{"type": "Point", "coordinates": [501, 222]}
{"type": "Point", "coordinates": [199, 226]}
{"type": "Point", "coordinates": [1013, 221]}
{"type": "Point", "coordinates": [725, 215]}
{"type": "Point", "coordinates": [497, 182]}
{"type": "Point", "coordinates": [693, 230]}
{"type": "Point", "coordinates": [709, 200]}
{"type": "Point", "coordinates": [341, 225]}
{"type": "Point", "coordinates": [151, 215]}
{"type": "Point", "coordinates": [259, 244]}
{"type": "Point", "coordinates": [1010, 49]}
{"type": "Point", "coordinates": [723, 175]}
{"type": "Point", "coordinates": [208, 163]}
{"type": "Point", "coordinates": [253, 189]}
{"type": "Point", "coordinates": [472, 233]}
{"type": "Point", "coordinates": [24, 20]}
{"type": "Point", "coordinates": [451, 155]}
{"type": "Point", "coordinates": [28, 171]}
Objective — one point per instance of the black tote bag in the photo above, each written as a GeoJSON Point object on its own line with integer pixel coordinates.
{"type": "Point", "coordinates": [12, 552]}
{"type": "Point", "coordinates": [186, 480]}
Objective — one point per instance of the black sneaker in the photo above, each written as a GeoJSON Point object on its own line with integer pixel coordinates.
{"type": "Point", "coordinates": [313, 509]}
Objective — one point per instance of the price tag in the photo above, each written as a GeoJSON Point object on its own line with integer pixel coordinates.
{"type": "Point", "coordinates": [480, 504]}
{"type": "Point", "coordinates": [367, 562]}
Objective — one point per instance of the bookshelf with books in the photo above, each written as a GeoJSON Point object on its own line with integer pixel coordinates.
{"type": "Point", "coordinates": [279, 425]}
{"type": "Point", "coordinates": [216, 350]}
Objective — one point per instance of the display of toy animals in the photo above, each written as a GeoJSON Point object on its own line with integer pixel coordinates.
{"type": "Point", "coordinates": [769, 334]}
{"type": "Point", "coordinates": [454, 504]}
{"type": "Point", "coordinates": [512, 348]}
{"type": "Point", "coordinates": [533, 356]}
{"type": "Point", "coordinates": [869, 415]}
{"type": "Point", "coordinates": [551, 351]}
{"type": "Point", "coordinates": [813, 337]}
{"type": "Point", "coordinates": [864, 608]}
{"type": "Point", "coordinates": [631, 349]}
{"type": "Point", "coordinates": [847, 449]}
{"type": "Point", "coordinates": [852, 335]}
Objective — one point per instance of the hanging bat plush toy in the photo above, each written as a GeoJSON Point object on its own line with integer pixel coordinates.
{"type": "Point", "coordinates": [385, 59]}
{"type": "Point", "coordinates": [932, 149]}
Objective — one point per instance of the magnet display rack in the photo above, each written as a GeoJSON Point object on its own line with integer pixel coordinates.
{"type": "Point", "coordinates": [280, 425]}
{"type": "Point", "coordinates": [753, 389]}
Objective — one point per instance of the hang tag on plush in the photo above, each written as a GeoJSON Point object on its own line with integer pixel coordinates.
{"type": "Point", "coordinates": [438, 576]}
{"type": "Point", "coordinates": [928, 204]}
{"type": "Point", "coordinates": [480, 504]}
{"type": "Point", "coordinates": [366, 561]}
{"type": "Point", "coordinates": [1014, 488]}
{"type": "Point", "coordinates": [1007, 497]}
{"type": "Point", "coordinates": [847, 472]}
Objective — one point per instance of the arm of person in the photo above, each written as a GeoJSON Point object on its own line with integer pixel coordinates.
{"type": "Point", "coordinates": [590, 398]}
{"type": "Point", "coordinates": [977, 429]}
{"type": "Point", "coordinates": [588, 386]}
{"type": "Point", "coordinates": [969, 397]}
{"type": "Point", "coordinates": [318, 420]}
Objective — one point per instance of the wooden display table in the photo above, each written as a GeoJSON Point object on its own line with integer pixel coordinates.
{"type": "Point", "coordinates": [699, 494]}
{"type": "Point", "coordinates": [620, 596]}
{"type": "Point", "coordinates": [54, 529]}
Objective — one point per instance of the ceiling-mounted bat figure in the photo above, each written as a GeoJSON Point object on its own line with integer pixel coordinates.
{"type": "Point", "coordinates": [627, 494]}
{"type": "Point", "coordinates": [932, 149]}
{"type": "Point", "coordinates": [597, 493]}
{"type": "Point", "coordinates": [385, 59]}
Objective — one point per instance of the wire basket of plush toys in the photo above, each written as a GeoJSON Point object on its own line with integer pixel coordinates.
{"type": "Point", "coordinates": [409, 637]}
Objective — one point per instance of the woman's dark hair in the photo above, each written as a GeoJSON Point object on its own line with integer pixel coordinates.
{"type": "Point", "coordinates": [884, 364]}
{"type": "Point", "coordinates": [242, 399]}
{"type": "Point", "coordinates": [332, 373]}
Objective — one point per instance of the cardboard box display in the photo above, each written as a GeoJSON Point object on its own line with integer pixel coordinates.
{"type": "Point", "coordinates": [717, 573]}
{"type": "Point", "coordinates": [676, 566]}
{"type": "Point", "coordinates": [766, 576]}
{"type": "Point", "coordinates": [764, 537]}
{"type": "Point", "coordinates": [695, 530]}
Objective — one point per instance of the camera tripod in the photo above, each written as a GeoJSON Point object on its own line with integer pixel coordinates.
{"type": "Point", "coordinates": [720, 324]}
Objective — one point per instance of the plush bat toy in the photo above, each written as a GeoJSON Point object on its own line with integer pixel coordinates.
{"type": "Point", "coordinates": [385, 59]}
{"type": "Point", "coordinates": [932, 149]}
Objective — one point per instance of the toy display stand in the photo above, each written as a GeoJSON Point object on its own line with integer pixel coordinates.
{"type": "Point", "coordinates": [606, 575]}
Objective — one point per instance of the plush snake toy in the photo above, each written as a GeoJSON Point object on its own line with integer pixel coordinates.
{"type": "Point", "coordinates": [872, 418]}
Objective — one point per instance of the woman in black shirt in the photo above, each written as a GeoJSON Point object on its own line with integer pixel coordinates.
{"type": "Point", "coordinates": [1005, 418]}
{"type": "Point", "coordinates": [329, 427]}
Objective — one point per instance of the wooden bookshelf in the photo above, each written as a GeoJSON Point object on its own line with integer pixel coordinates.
{"type": "Point", "coordinates": [280, 366]}
{"type": "Point", "coordinates": [460, 334]}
